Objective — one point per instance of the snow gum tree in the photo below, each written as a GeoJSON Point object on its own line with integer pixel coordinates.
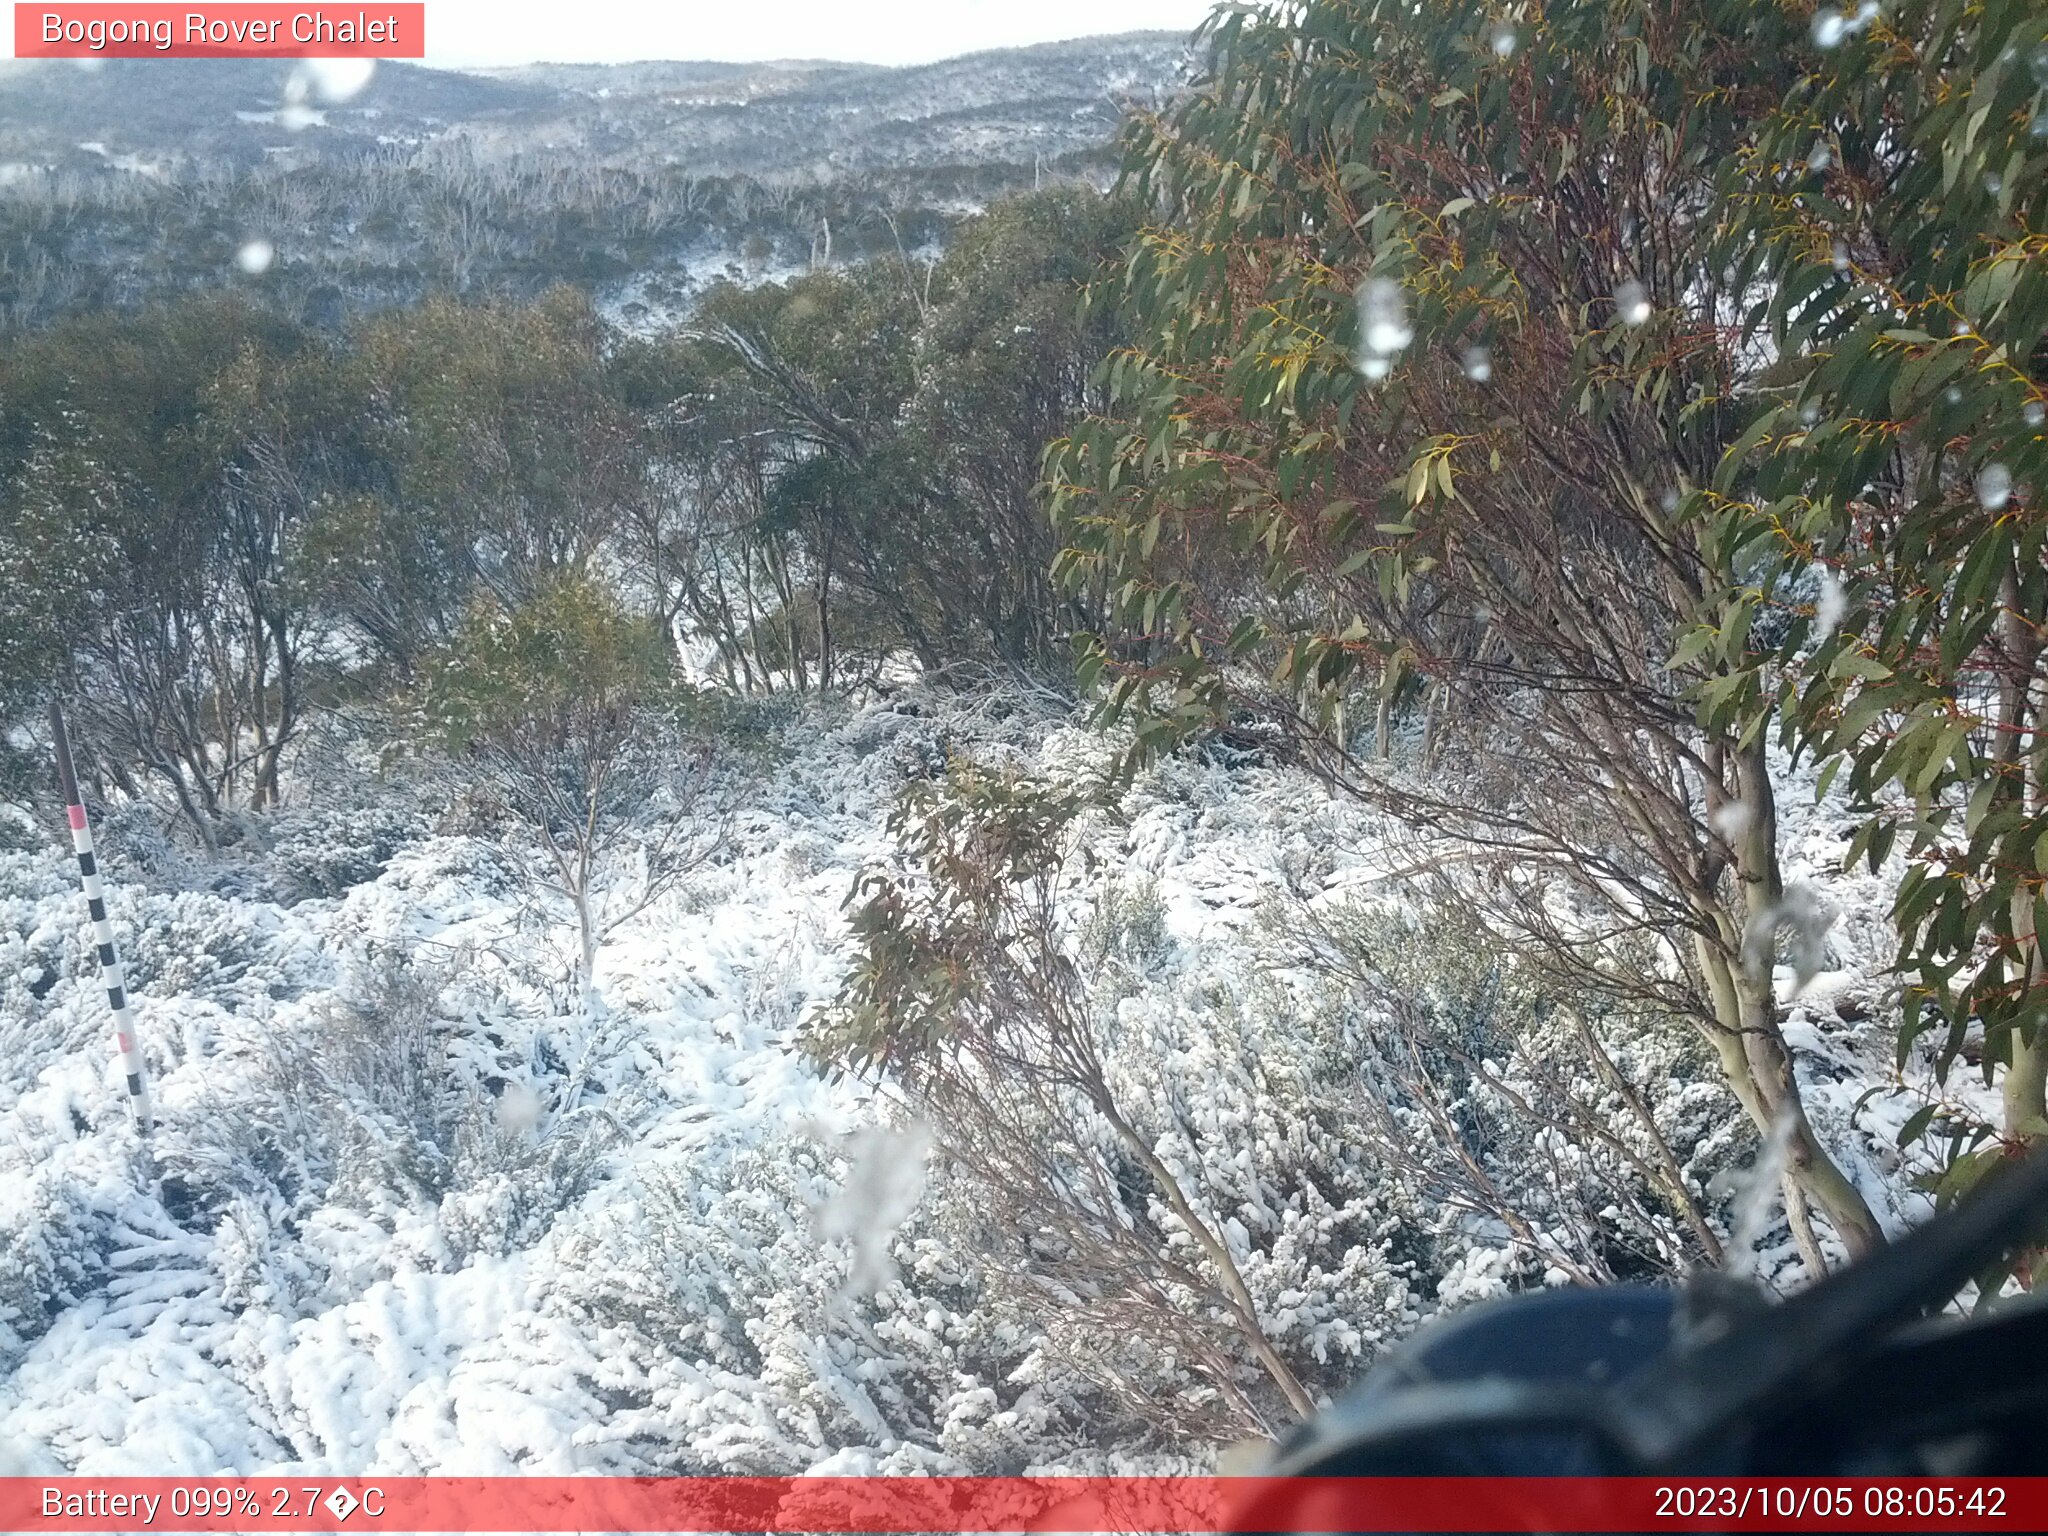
{"type": "Point", "coordinates": [487, 451]}
{"type": "Point", "coordinates": [1881, 519]}
{"type": "Point", "coordinates": [567, 706]}
{"type": "Point", "coordinates": [1432, 345]}
{"type": "Point", "coordinates": [845, 466]}
{"type": "Point", "coordinates": [156, 473]}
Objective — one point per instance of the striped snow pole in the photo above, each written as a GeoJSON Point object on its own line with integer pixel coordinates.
{"type": "Point", "coordinates": [125, 1046]}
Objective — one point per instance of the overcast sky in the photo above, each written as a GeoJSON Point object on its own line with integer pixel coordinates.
{"type": "Point", "coordinates": [484, 32]}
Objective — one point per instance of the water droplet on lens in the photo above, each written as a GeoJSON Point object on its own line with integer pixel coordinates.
{"type": "Point", "coordinates": [1732, 819]}
{"type": "Point", "coordinates": [1387, 336]}
{"type": "Point", "coordinates": [255, 257]}
{"type": "Point", "coordinates": [1830, 608]}
{"type": "Point", "coordinates": [1840, 256]}
{"type": "Point", "coordinates": [1819, 158]}
{"type": "Point", "coordinates": [1994, 486]}
{"type": "Point", "coordinates": [1504, 40]}
{"type": "Point", "coordinates": [2034, 413]}
{"type": "Point", "coordinates": [1478, 364]}
{"type": "Point", "coordinates": [336, 80]}
{"type": "Point", "coordinates": [1632, 303]}
{"type": "Point", "coordinates": [1383, 320]}
{"type": "Point", "coordinates": [1829, 28]}
{"type": "Point", "coordinates": [520, 1109]}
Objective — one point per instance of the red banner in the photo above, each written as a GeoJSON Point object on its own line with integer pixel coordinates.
{"type": "Point", "coordinates": [237, 31]}
{"type": "Point", "coordinates": [969, 1504]}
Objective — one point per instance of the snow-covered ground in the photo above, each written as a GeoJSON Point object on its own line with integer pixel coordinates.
{"type": "Point", "coordinates": [414, 1212]}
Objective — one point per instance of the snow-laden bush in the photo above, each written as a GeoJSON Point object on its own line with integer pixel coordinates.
{"type": "Point", "coordinates": [255, 1258]}
{"type": "Point", "coordinates": [57, 1231]}
{"type": "Point", "coordinates": [569, 706]}
{"type": "Point", "coordinates": [1534, 1133]}
{"type": "Point", "coordinates": [377, 1102]}
{"type": "Point", "coordinates": [321, 849]}
{"type": "Point", "coordinates": [190, 942]}
{"type": "Point", "coordinates": [741, 1337]}
{"type": "Point", "coordinates": [1173, 1196]}
{"type": "Point", "coordinates": [1227, 1175]}
{"type": "Point", "coordinates": [34, 953]}
{"type": "Point", "coordinates": [328, 850]}
{"type": "Point", "coordinates": [1127, 926]}
{"type": "Point", "coordinates": [46, 1263]}
{"type": "Point", "coordinates": [139, 840]}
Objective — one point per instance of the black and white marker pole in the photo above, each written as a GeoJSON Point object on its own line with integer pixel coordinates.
{"type": "Point", "coordinates": [126, 1048]}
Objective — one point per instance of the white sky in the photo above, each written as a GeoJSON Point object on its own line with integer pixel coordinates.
{"type": "Point", "coordinates": [486, 32]}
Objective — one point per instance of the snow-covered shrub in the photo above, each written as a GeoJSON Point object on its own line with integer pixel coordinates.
{"type": "Point", "coordinates": [806, 856]}
{"type": "Point", "coordinates": [519, 1160]}
{"type": "Point", "coordinates": [373, 1103]}
{"type": "Point", "coordinates": [18, 830]}
{"type": "Point", "coordinates": [187, 942]}
{"type": "Point", "coordinates": [1172, 1195]}
{"type": "Point", "coordinates": [1245, 1109]}
{"type": "Point", "coordinates": [568, 704]}
{"type": "Point", "coordinates": [35, 951]}
{"type": "Point", "coordinates": [689, 1310]}
{"type": "Point", "coordinates": [753, 724]}
{"type": "Point", "coordinates": [139, 840]}
{"type": "Point", "coordinates": [327, 850]}
{"type": "Point", "coordinates": [744, 1343]}
{"type": "Point", "coordinates": [55, 1238]}
{"type": "Point", "coordinates": [353, 1096]}
{"type": "Point", "coordinates": [1128, 925]}
{"type": "Point", "coordinates": [1535, 1134]}
{"type": "Point", "coordinates": [875, 731]}
{"type": "Point", "coordinates": [253, 1255]}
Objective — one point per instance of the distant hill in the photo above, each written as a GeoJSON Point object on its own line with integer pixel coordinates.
{"type": "Point", "coordinates": [764, 120]}
{"type": "Point", "coordinates": [164, 112]}
{"type": "Point", "coordinates": [640, 183]}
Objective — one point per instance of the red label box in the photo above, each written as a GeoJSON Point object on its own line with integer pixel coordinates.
{"type": "Point", "coordinates": [373, 30]}
{"type": "Point", "coordinates": [870, 1506]}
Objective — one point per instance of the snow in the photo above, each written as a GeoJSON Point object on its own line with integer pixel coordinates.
{"type": "Point", "coordinates": [652, 1238]}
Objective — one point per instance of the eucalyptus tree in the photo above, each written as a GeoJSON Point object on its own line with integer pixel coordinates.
{"type": "Point", "coordinates": [1431, 343]}
{"type": "Point", "coordinates": [1880, 522]}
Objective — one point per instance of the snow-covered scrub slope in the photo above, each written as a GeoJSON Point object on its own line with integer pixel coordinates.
{"type": "Point", "coordinates": [416, 1207]}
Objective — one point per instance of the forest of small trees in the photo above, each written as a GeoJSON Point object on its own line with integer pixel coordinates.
{"type": "Point", "coordinates": [395, 226]}
{"type": "Point", "coordinates": [1543, 429]}
{"type": "Point", "coordinates": [217, 519]}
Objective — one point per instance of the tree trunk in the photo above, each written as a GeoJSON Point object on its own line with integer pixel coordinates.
{"type": "Point", "coordinates": [2024, 1092]}
{"type": "Point", "coordinates": [1762, 886]}
{"type": "Point", "coordinates": [1759, 1070]}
